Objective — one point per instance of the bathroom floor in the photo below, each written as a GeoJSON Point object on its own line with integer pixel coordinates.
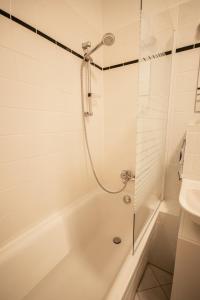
{"type": "Point", "coordinates": [155, 284]}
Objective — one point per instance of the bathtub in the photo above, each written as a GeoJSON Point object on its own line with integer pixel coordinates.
{"type": "Point", "coordinates": [71, 255]}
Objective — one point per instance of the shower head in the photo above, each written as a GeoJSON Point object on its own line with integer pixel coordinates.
{"type": "Point", "coordinates": [107, 40]}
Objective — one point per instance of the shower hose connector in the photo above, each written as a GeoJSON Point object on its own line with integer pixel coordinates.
{"type": "Point", "coordinates": [127, 175]}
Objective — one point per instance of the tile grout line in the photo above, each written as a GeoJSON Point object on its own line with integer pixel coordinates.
{"type": "Point", "coordinates": [142, 277]}
{"type": "Point", "coordinates": [138, 296]}
{"type": "Point", "coordinates": [160, 285]}
{"type": "Point", "coordinates": [161, 269]}
{"type": "Point", "coordinates": [154, 276]}
{"type": "Point", "coordinates": [149, 289]}
{"type": "Point", "coordinates": [164, 292]}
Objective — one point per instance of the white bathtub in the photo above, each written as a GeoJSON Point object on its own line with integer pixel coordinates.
{"type": "Point", "coordinates": [71, 254]}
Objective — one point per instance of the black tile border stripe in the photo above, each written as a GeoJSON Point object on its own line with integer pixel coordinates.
{"type": "Point", "coordinates": [185, 48]}
{"type": "Point", "coordinates": [106, 68]}
{"type": "Point", "coordinates": [116, 66]}
{"type": "Point", "coordinates": [63, 46]}
{"type": "Point", "coordinates": [47, 37]}
{"type": "Point", "coordinates": [97, 66]}
{"type": "Point", "coordinates": [13, 18]}
{"type": "Point", "coordinates": [4, 13]}
{"type": "Point", "coordinates": [197, 45]}
{"type": "Point", "coordinates": [52, 40]}
{"type": "Point", "coordinates": [42, 34]}
{"type": "Point", "coordinates": [168, 52]}
{"type": "Point", "coordinates": [77, 54]}
{"type": "Point", "coordinates": [130, 62]}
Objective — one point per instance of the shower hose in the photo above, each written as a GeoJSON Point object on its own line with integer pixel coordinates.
{"type": "Point", "coordinates": [87, 143]}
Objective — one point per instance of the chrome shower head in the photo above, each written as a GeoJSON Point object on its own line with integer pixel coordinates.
{"type": "Point", "coordinates": [108, 39]}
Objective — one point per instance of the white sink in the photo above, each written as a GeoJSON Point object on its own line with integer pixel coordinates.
{"type": "Point", "coordinates": [189, 198]}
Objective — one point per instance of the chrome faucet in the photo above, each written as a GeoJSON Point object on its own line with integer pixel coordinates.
{"type": "Point", "coordinates": [127, 175]}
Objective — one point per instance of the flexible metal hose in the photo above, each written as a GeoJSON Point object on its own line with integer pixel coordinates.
{"type": "Point", "coordinates": [87, 142]}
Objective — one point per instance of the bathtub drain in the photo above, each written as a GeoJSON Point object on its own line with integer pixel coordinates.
{"type": "Point", "coordinates": [117, 240]}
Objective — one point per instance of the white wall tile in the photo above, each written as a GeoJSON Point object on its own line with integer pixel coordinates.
{"type": "Point", "coordinates": [189, 12]}
{"type": "Point", "coordinates": [5, 5]}
{"type": "Point", "coordinates": [193, 143]}
{"type": "Point", "coordinates": [122, 14]}
{"type": "Point", "coordinates": [123, 21]}
{"type": "Point", "coordinates": [187, 34]}
{"type": "Point", "coordinates": [5, 25]}
{"type": "Point", "coordinates": [187, 60]}
{"type": "Point", "coordinates": [91, 11]}
{"type": "Point", "coordinates": [184, 101]}
{"type": "Point", "coordinates": [126, 46]}
{"type": "Point", "coordinates": [120, 121]}
{"type": "Point", "coordinates": [183, 92]}
{"type": "Point", "coordinates": [186, 81]}
{"type": "Point", "coordinates": [41, 140]}
{"type": "Point", "coordinates": [25, 10]}
{"type": "Point", "coordinates": [8, 61]}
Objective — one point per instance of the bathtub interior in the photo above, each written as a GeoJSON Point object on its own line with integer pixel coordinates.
{"type": "Point", "coordinates": [92, 260]}
{"type": "Point", "coordinates": [98, 216]}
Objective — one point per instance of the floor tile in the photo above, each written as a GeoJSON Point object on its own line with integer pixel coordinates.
{"type": "Point", "coordinates": [152, 294]}
{"type": "Point", "coordinates": [167, 290]}
{"type": "Point", "coordinates": [148, 280]}
{"type": "Point", "coordinates": [136, 297]}
{"type": "Point", "coordinates": [162, 276]}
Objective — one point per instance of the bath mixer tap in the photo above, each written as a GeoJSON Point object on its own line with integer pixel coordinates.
{"type": "Point", "coordinates": [127, 175]}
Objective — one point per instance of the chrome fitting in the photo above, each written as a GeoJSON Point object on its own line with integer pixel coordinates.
{"type": "Point", "coordinates": [127, 175]}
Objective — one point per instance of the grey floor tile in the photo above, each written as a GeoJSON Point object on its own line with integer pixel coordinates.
{"type": "Point", "coordinates": [167, 290]}
{"type": "Point", "coordinates": [152, 294]}
{"type": "Point", "coordinates": [148, 280]}
{"type": "Point", "coordinates": [136, 297]}
{"type": "Point", "coordinates": [162, 276]}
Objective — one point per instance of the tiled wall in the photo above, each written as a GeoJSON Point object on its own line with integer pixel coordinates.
{"type": "Point", "coordinates": [183, 92]}
{"type": "Point", "coordinates": [120, 88]}
{"type": "Point", "coordinates": [67, 21]}
{"type": "Point", "coordinates": [191, 168]}
{"type": "Point", "coordinates": [120, 122]}
{"type": "Point", "coordinates": [42, 156]}
{"type": "Point", "coordinates": [122, 18]}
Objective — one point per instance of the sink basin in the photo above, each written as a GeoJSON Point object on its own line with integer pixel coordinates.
{"type": "Point", "coordinates": [189, 199]}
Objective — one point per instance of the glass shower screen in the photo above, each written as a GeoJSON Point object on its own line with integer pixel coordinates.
{"type": "Point", "coordinates": [156, 44]}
